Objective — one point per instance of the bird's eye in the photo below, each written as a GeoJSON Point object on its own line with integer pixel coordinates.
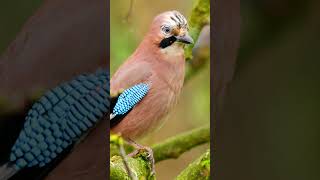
{"type": "Point", "coordinates": [166, 29]}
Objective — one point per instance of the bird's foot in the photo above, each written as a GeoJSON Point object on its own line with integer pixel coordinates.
{"type": "Point", "coordinates": [141, 148]}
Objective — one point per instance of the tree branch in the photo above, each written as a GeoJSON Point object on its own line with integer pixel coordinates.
{"type": "Point", "coordinates": [197, 170]}
{"type": "Point", "coordinates": [199, 21]}
{"type": "Point", "coordinates": [177, 145]}
{"type": "Point", "coordinates": [139, 166]}
{"type": "Point", "coordinates": [170, 148]}
{"type": "Point", "coordinates": [200, 16]}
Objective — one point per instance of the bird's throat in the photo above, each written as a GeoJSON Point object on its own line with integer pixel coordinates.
{"type": "Point", "coordinates": [172, 51]}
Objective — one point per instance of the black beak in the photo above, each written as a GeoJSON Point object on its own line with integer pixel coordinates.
{"type": "Point", "coordinates": [185, 39]}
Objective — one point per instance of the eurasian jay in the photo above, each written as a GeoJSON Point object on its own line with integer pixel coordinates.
{"type": "Point", "coordinates": [147, 85]}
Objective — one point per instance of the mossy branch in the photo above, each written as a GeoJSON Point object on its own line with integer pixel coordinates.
{"type": "Point", "coordinates": [170, 148]}
{"type": "Point", "coordinates": [197, 170]}
{"type": "Point", "coordinates": [139, 167]}
{"type": "Point", "coordinates": [198, 20]}
{"type": "Point", "coordinates": [177, 145]}
{"type": "Point", "coordinates": [200, 16]}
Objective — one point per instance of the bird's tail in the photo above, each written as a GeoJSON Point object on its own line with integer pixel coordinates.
{"type": "Point", "coordinates": [7, 171]}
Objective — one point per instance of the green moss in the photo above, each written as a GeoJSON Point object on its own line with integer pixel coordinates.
{"type": "Point", "coordinates": [197, 170]}
{"type": "Point", "coordinates": [175, 146]}
{"type": "Point", "coordinates": [200, 16]}
{"type": "Point", "coordinates": [115, 141]}
{"type": "Point", "coordinates": [139, 166]}
{"type": "Point", "coordinates": [171, 148]}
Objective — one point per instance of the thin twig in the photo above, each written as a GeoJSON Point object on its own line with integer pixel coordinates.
{"type": "Point", "coordinates": [125, 161]}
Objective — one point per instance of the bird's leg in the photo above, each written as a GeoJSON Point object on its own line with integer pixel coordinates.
{"type": "Point", "coordinates": [139, 147]}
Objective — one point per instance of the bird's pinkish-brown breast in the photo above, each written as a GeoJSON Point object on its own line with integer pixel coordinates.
{"type": "Point", "coordinates": [166, 81]}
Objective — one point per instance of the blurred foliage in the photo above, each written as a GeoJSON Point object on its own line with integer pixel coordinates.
{"type": "Point", "coordinates": [193, 109]}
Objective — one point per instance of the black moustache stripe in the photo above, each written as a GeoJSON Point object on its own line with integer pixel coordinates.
{"type": "Point", "coordinates": [167, 42]}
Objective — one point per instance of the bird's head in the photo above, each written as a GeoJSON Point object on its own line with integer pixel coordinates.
{"type": "Point", "coordinates": [169, 28]}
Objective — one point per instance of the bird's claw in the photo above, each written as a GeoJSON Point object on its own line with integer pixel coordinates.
{"type": "Point", "coordinates": [150, 157]}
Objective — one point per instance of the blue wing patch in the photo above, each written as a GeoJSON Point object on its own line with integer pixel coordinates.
{"type": "Point", "coordinates": [129, 98]}
{"type": "Point", "coordinates": [60, 118]}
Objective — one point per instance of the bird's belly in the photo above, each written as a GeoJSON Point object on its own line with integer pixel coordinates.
{"type": "Point", "coordinates": [147, 115]}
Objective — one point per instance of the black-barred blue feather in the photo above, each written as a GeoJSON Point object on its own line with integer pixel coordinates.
{"type": "Point", "coordinates": [60, 118]}
{"type": "Point", "coordinates": [129, 98]}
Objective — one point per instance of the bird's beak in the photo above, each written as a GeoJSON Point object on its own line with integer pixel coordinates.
{"type": "Point", "coordinates": [185, 39]}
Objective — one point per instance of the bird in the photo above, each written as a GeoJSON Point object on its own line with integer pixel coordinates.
{"type": "Point", "coordinates": [57, 122]}
{"type": "Point", "coordinates": [147, 85]}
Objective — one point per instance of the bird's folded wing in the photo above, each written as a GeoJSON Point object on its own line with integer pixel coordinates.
{"type": "Point", "coordinates": [128, 87]}
{"type": "Point", "coordinates": [60, 118]}
{"type": "Point", "coordinates": [126, 101]}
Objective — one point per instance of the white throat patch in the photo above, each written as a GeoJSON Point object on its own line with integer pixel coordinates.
{"type": "Point", "coordinates": [173, 50]}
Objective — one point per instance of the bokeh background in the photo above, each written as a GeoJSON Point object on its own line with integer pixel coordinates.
{"type": "Point", "coordinates": [193, 109]}
{"type": "Point", "coordinates": [268, 127]}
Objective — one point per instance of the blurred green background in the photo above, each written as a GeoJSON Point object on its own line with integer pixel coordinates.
{"type": "Point", "coordinates": [193, 109]}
